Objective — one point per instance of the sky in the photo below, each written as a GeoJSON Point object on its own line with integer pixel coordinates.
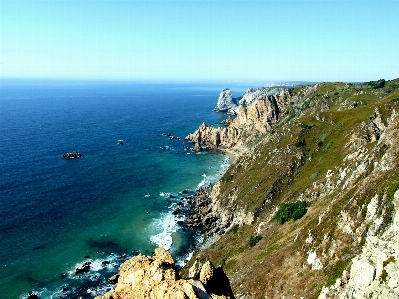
{"type": "Point", "coordinates": [208, 40]}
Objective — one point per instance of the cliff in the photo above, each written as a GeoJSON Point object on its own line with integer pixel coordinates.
{"type": "Point", "coordinates": [226, 102]}
{"type": "Point", "coordinates": [310, 208]}
{"type": "Point", "coordinates": [334, 148]}
{"type": "Point", "coordinates": [252, 121]}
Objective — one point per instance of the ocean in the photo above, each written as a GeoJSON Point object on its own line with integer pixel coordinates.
{"type": "Point", "coordinates": [114, 202]}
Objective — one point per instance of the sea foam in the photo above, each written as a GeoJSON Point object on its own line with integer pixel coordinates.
{"type": "Point", "coordinates": [167, 225]}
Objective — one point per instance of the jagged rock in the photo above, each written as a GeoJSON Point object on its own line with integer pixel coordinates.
{"type": "Point", "coordinates": [144, 277]}
{"type": "Point", "coordinates": [83, 269]}
{"type": "Point", "coordinates": [226, 101]}
{"type": "Point", "coordinates": [206, 273]}
{"type": "Point", "coordinates": [197, 147]}
{"type": "Point", "coordinates": [176, 212]}
{"type": "Point", "coordinates": [252, 94]}
{"type": "Point", "coordinates": [375, 271]}
{"type": "Point", "coordinates": [215, 280]}
{"type": "Point", "coordinates": [251, 121]}
{"type": "Point", "coordinates": [32, 296]}
{"type": "Point", "coordinates": [113, 279]}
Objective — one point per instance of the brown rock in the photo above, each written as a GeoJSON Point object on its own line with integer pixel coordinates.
{"type": "Point", "coordinates": [154, 277]}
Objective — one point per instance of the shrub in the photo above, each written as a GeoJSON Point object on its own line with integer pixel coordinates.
{"type": "Point", "coordinates": [300, 143]}
{"type": "Point", "coordinates": [376, 84]}
{"type": "Point", "coordinates": [293, 210]}
{"type": "Point", "coordinates": [306, 126]}
{"type": "Point", "coordinates": [234, 229]}
{"type": "Point", "coordinates": [253, 240]}
{"type": "Point", "coordinates": [229, 178]}
{"type": "Point", "coordinates": [305, 105]}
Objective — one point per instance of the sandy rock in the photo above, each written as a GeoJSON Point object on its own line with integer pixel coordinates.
{"type": "Point", "coordinates": [144, 277]}
{"type": "Point", "coordinates": [253, 118]}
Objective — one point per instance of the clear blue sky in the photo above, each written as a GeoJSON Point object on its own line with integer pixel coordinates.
{"type": "Point", "coordinates": [323, 40]}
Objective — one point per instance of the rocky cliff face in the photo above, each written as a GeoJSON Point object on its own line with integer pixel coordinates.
{"type": "Point", "coordinates": [334, 146]}
{"type": "Point", "coordinates": [226, 102]}
{"type": "Point", "coordinates": [156, 277]}
{"type": "Point", "coordinates": [253, 94]}
{"type": "Point", "coordinates": [251, 122]}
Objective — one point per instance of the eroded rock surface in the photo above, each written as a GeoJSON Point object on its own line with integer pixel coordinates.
{"type": "Point", "coordinates": [145, 277]}
{"type": "Point", "coordinates": [251, 122]}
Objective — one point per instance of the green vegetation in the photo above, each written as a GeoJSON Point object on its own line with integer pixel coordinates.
{"type": "Point", "coordinates": [384, 273]}
{"type": "Point", "coordinates": [234, 229]}
{"type": "Point", "coordinates": [300, 143]}
{"type": "Point", "coordinates": [229, 178]}
{"type": "Point", "coordinates": [336, 272]}
{"type": "Point", "coordinates": [328, 146]}
{"type": "Point", "coordinates": [290, 162]}
{"type": "Point", "coordinates": [253, 240]}
{"type": "Point", "coordinates": [315, 175]}
{"type": "Point", "coordinates": [288, 211]}
{"type": "Point", "coordinates": [376, 84]}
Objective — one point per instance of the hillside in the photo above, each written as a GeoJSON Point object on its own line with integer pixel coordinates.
{"type": "Point", "coordinates": [331, 146]}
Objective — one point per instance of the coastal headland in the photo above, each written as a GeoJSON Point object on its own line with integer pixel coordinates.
{"type": "Point", "coordinates": [310, 206]}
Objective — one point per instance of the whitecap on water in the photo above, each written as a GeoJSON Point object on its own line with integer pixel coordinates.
{"type": "Point", "coordinates": [203, 182]}
{"type": "Point", "coordinates": [165, 226]}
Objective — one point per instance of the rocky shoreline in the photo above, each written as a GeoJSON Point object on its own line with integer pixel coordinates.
{"type": "Point", "coordinates": [201, 217]}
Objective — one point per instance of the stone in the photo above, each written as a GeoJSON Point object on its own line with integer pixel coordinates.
{"type": "Point", "coordinates": [226, 101]}
{"type": "Point", "coordinates": [83, 269]}
{"type": "Point", "coordinates": [155, 276]}
{"type": "Point", "coordinates": [253, 120]}
{"type": "Point", "coordinates": [113, 279]}
{"type": "Point", "coordinates": [32, 296]}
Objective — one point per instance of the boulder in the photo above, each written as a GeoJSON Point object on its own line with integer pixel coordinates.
{"type": "Point", "coordinates": [145, 277]}
{"type": "Point", "coordinates": [113, 279]}
{"type": "Point", "coordinates": [32, 296]}
{"type": "Point", "coordinates": [83, 269]}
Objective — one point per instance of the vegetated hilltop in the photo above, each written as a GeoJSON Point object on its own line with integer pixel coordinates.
{"type": "Point", "coordinates": [310, 208]}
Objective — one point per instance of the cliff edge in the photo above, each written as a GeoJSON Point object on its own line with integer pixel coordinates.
{"type": "Point", "coordinates": [310, 208]}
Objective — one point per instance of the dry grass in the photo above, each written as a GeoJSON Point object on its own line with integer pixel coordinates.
{"type": "Point", "coordinates": [277, 265]}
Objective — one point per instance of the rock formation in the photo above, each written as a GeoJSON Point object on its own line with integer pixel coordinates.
{"type": "Point", "coordinates": [208, 214]}
{"type": "Point", "coordinates": [334, 145]}
{"type": "Point", "coordinates": [144, 277]}
{"type": "Point", "coordinates": [253, 94]}
{"type": "Point", "coordinates": [226, 102]}
{"type": "Point", "coordinates": [251, 122]}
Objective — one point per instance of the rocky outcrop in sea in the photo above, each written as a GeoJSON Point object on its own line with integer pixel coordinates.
{"type": "Point", "coordinates": [226, 102]}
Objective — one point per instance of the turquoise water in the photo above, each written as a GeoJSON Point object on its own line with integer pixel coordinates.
{"type": "Point", "coordinates": [112, 203]}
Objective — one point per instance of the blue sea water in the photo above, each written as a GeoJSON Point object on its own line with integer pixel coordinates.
{"type": "Point", "coordinates": [112, 203]}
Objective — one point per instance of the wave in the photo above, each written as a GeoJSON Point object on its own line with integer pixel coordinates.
{"type": "Point", "coordinates": [167, 225]}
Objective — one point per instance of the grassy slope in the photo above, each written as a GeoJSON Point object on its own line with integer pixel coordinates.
{"type": "Point", "coordinates": [282, 169]}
